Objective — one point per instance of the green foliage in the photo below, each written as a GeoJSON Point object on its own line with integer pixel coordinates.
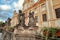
{"type": "Point", "coordinates": [51, 30]}
{"type": "Point", "coordinates": [2, 23]}
{"type": "Point", "coordinates": [44, 29]}
{"type": "Point", "coordinates": [11, 29]}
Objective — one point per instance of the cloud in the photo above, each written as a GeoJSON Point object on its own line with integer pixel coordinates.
{"type": "Point", "coordinates": [5, 14]}
{"type": "Point", "coordinates": [5, 7]}
{"type": "Point", "coordinates": [8, 6]}
{"type": "Point", "coordinates": [6, 1]}
{"type": "Point", "coordinates": [18, 5]}
{"type": "Point", "coordinates": [2, 20]}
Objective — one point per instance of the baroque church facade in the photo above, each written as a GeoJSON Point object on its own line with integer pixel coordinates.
{"type": "Point", "coordinates": [46, 13]}
{"type": "Point", "coordinates": [34, 15]}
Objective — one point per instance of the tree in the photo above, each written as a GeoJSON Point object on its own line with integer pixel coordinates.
{"type": "Point", "coordinates": [2, 24]}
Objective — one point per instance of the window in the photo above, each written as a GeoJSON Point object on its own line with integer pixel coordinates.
{"type": "Point", "coordinates": [44, 17]}
{"type": "Point", "coordinates": [57, 13]}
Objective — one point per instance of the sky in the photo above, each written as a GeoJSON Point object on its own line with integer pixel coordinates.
{"type": "Point", "coordinates": [8, 6]}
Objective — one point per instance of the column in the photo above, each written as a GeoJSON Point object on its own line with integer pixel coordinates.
{"type": "Point", "coordinates": [39, 19]}
{"type": "Point", "coordinates": [50, 13]}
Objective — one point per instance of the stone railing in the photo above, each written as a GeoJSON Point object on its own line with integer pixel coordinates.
{"type": "Point", "coordinates": [27, 36]}
{"type": "Point", "coordinates": [11, 36]}
{"type": "Point", "coordinates": [6, 35]}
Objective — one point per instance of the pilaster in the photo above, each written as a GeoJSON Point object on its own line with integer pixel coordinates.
{"type": "Point", "coordinates": [50, 13]}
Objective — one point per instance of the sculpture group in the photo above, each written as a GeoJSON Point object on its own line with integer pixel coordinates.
{"type": "Point", "coordinates": [21, 19]}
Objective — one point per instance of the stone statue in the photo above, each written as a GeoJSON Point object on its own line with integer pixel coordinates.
{"type": "Point", "coordinates": [8, 22]}
{"type": "Point", "coordinates": [31, 19]}
{"type": "Point", "coordinates": [19, 15]}
{"type": "Point", "coordinates": [21, 18]}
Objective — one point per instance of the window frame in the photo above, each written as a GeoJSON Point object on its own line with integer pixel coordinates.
{"type": "Point", "coordinates": [44, 17]}
{"type": "Point", "coordinates": [57, 12]}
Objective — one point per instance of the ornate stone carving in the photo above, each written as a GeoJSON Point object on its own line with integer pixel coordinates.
{"type": "Point", "coordinates": [8, 22]}
{"type": "Point", "coordinates": [21, 18]}
{"type": "Point", "coordinates": [31, 19]}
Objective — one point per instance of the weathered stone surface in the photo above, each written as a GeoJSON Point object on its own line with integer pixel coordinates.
{"type": "Point", "coordinates": [21, 18]}
{"type": "Point", "coordinates": [31, 19]}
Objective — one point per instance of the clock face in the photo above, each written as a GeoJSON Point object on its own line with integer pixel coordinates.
{"type": "Point", "coordinates": [35, 1]}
